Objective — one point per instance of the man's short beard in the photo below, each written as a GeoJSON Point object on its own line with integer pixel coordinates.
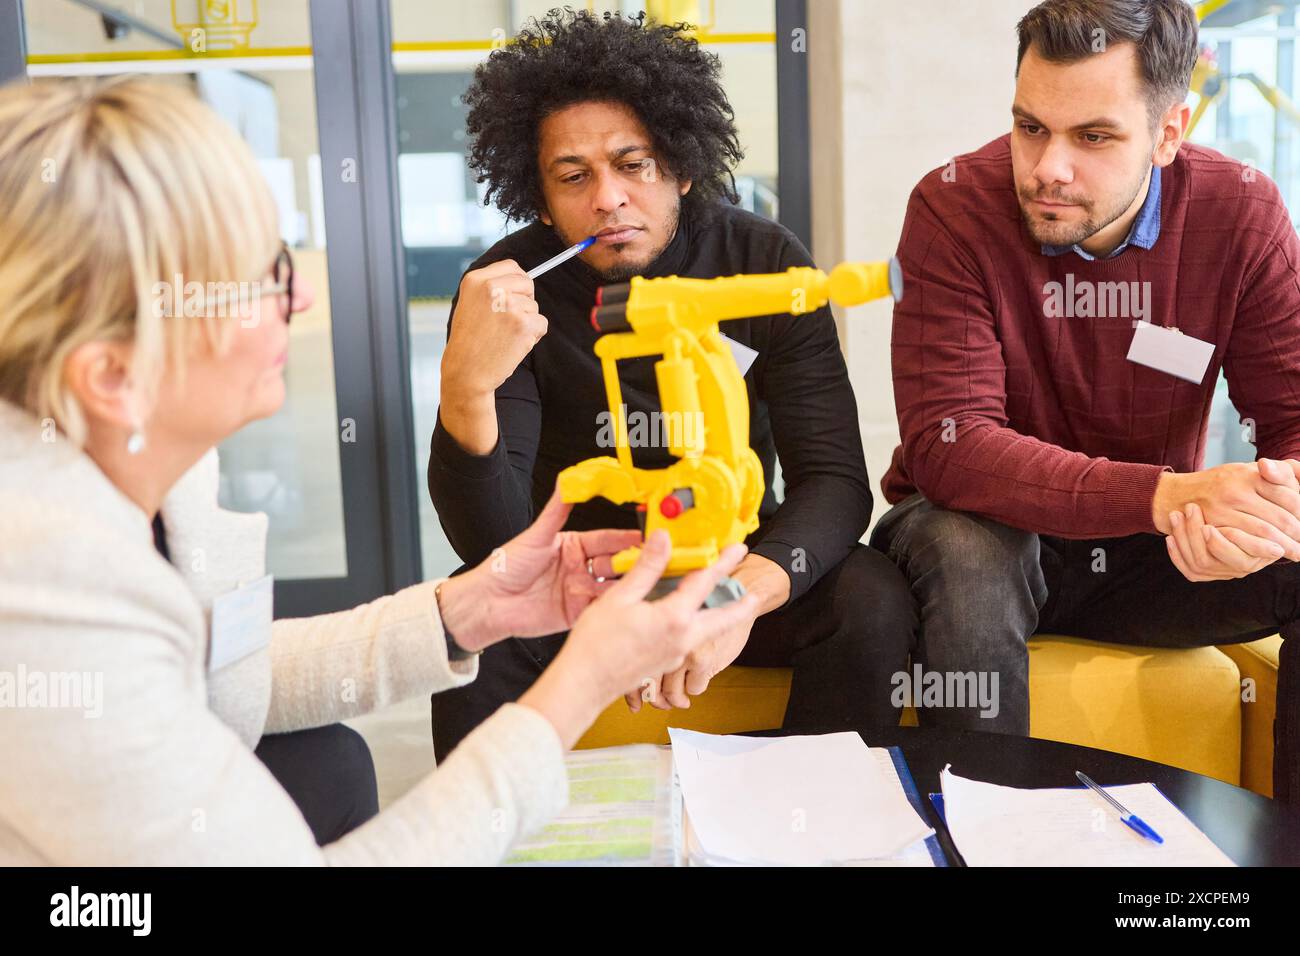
{"type": "Point", "coordinates": [1089, 227]}
{"type": "Point", "coordinates": [625, 272]}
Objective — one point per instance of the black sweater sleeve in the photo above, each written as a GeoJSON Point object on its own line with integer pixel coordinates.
{"type": "Point", "coordinates": [485, 500]}
{"type": "Point", "coordinates": [810, 401]}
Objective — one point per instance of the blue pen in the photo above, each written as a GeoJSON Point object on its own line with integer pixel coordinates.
{"type": "Point", "coordinates": [564, 256]}
{"type": "Point", "coordinates": [1134, 821]}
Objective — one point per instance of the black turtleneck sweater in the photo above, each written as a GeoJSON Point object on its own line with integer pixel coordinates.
{"type": "Point", "coordinates": [802, 407]}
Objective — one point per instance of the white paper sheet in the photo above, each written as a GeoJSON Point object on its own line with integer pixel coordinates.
{"type": "Point", "coordinates": [801, 801]}
{"type": "Point", "coordinates": [691, 853]}
{"type": "Point", "coordinates": [994, 825]}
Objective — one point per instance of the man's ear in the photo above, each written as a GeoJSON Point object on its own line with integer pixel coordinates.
{"type": "Point", "coordinates": [683, 186]}
{"type": "Point", "coordinates": [1170, 134]}
{"type": "Point", "coordinates": [98, 375]}
{"type": "Point", "coordinates": [545, 216]}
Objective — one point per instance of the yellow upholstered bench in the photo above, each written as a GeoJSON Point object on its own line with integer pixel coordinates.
{"type": "Point", "coordinates": [1257, 662]}
{"type": "Point", "coordinates": [1180, 707]}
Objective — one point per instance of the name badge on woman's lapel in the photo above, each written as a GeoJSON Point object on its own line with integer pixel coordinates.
{"type": "Point", "coordinates": [1169, 351]}
{"type": "Point", "coordinates": [241, 622]}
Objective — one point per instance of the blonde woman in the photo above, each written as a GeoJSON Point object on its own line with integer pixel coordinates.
{"type": "Point", "coordinates": [109, 416]}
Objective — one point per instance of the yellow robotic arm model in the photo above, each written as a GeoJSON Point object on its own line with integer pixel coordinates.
{"type": "Point", "coordinates": [709, 498]}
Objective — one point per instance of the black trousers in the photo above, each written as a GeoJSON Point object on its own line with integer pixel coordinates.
{"type": "Point", "coordinates": [983, 588]}
{"type": "Point", "coordinates": [845, 639]}
{"type": "Point", "coordinates": [329, 774]}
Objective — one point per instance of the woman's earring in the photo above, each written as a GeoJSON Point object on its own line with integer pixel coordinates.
{"type": "Point", "coordinates": [135, 443]}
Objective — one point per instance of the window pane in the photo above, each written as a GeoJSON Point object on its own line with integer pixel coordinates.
{"type": "Point", "coordinates": [1244, 56]}
{"type": "Point", "coordinates": [251, 62]}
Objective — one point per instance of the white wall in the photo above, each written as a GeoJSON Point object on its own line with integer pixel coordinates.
{"type": "Point", "coordinates": [896, 90]}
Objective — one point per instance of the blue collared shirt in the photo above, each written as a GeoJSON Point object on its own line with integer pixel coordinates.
{"type": "Point", "coordinates": [1145, 231]}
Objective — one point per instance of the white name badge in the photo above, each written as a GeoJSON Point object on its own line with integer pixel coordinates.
{"type": "Point", "coordinates": [241, 623]}
{"type": "Point", "coordinates": [742, 353]}
{"type": "Point", "coordinates": [1168, 350]}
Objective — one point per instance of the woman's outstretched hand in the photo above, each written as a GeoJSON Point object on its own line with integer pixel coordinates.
{"type": "Point", "coordinates": [622, 638]}
{"type": "Point", "coordinates": [536, 584]}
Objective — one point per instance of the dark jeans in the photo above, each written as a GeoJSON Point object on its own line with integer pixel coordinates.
{"type": "Point", "coordinates": [983, 588]}
{"type": "Point", "coordinates": [845, 638]}
{"type": "Point", "coordinates": [328, 773]}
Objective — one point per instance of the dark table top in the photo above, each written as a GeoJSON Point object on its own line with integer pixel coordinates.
{"type": "Point", "coordinates": [1252, 830]}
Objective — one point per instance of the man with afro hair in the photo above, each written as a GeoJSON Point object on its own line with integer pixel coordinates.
{"type": "Point", "coordinates": [619, 128]}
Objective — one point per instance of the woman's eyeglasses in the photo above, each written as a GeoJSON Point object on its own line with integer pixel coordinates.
{"type": "Point", "coordinates": [282, 274]}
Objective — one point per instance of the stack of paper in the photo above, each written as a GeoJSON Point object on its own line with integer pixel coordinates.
{"type": "Point", "coordinates": [799, 801]}
{"type": "Point", "coordinates": [1071, 826]}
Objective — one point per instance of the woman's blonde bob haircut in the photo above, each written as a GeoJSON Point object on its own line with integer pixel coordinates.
{"type": "Point", "coordinates": [108, 191]}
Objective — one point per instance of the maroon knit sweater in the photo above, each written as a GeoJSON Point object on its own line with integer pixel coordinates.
{"type": "Point", "coordinates": [1042, 423]}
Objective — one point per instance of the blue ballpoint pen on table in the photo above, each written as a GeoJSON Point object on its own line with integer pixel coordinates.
{"type": "Point", "coordinates": [564, 256]}
{"type": "Point", "coordinates": [1133, 820]}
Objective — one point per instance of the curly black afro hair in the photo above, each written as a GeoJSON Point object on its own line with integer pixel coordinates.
{"type": "Point", "coordinates": [658, 71]}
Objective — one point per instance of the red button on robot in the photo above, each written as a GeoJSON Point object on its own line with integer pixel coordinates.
{"type": "Point", "coordinates": [671, 506]}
